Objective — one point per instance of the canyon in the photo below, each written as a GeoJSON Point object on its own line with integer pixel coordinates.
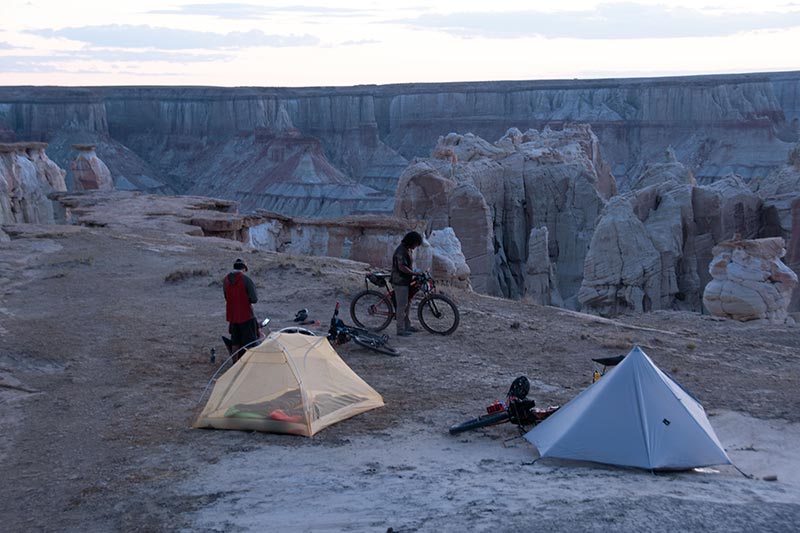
{"type": "Point", "coordinates": [539, 214]}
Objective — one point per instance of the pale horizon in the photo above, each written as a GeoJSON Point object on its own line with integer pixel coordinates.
{"type": "Point", "coordinates": [361, 42]}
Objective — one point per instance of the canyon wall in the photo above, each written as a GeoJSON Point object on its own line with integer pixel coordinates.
{"type": "Point", "coordinates": [717, 125]}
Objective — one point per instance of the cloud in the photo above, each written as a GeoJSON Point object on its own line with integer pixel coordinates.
{"type": "Point", "coordinates": [359, 43]}
{"type": "Point", "coordinates": [606, 21]}
{"type": "Point", "coordinates": [251, 11]}
{"type": "Point", "coordinates": [53, 62]}
{"type": "Point", "coordinates": [127, 36]}
{"type": "Point", "coordinates": [50, 65]}
{"type": "Point", "coordinates": [6, 46]}
{"type": "Point", "coordinates": [27, 64]}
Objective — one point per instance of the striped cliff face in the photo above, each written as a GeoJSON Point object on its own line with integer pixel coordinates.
{"type": "Point", "coordinates": [717, 125]}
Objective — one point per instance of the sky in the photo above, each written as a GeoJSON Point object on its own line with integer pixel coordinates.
{"type": "Point", "coordinates": [316, 43]}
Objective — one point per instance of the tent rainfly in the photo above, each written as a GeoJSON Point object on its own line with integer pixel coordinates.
{"type": "Point", "coordinates": [637, 416]}
{"type": "Point", "coordinates": [290, 383]}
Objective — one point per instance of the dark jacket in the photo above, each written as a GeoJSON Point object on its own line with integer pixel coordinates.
{"type": "Point", "coordinates": [402, 256]}
{"type": "Point", "coordinates": [240, 294]}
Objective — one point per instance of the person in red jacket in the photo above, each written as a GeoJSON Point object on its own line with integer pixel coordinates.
{"type": "Point", "coordinates": [240, 295]}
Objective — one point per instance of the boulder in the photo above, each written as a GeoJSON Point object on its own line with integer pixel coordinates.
{"type": "Point", "coordinates": [447, 260]}
{"type": "Point", "coordinates": [750, 282]}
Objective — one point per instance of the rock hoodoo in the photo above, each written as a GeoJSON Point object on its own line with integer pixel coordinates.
{"type": "Point", "coordinates": [750, 280]}
{"type": "Point", "coordinates": [651, 245]}
{"type": "Point", "coordinates": [493, 195]}
{"type": "Point", "coordinates": [88, 171]}
{"type": "Point", "coordinates": [780, 192]}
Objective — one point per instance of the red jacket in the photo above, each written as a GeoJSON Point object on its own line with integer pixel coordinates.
{"type": "Point", "coordinates": [240, 293]}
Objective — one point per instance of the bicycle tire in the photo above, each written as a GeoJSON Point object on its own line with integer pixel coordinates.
{"type": "Point", "coordinates": [480, 422]}
{"type": "Point", "coordinates": [438, 314]}
{"type": "Point", "coordinates": [375, 345]}
{"type": "Point", "coordinates": [371, 310]}
{"type": "Point", "coordinates": [297, 329]}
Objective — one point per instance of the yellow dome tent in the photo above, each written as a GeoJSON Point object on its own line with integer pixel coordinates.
{"type": "Point", "coordinates": [290, 383]}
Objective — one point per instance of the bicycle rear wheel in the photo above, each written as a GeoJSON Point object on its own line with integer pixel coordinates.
{"type": "Point", "coordinates": [371, 310]}
{"type": "Point", "coordinates": [376, 345]}
{"type": "Point", "coordinates": [438, 314]}
{"type": "Point", "coordinates": [480, 422]}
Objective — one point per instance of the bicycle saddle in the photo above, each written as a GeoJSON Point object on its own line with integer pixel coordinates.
{"type": "Point", "coordinates": [609, 361]}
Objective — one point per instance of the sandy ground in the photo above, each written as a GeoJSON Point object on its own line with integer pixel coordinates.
{"type": "Point", "coordinates": [102, 362]}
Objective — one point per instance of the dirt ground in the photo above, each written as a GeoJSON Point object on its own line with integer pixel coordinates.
{"type": "Point", "coordinates": [104, 352]}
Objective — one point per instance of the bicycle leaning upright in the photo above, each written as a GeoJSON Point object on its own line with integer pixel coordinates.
{"type": "Point", "coordinates": [374, 310]}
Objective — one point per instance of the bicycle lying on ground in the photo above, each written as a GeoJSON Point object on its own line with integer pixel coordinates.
{"type": "Point", "coordinates": [517, 409]}
{"type": "Point", "coordinates": [340, 333]}
{"type": "Point", "coordinates": [374, 310]}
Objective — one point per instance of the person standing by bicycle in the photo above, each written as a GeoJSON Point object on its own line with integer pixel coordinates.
{"type": "Point", "coordinates": [240, 295]}
{"type": "Point", "coordinates": [402, 275]}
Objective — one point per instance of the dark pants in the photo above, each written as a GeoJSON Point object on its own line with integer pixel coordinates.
{"type": "Point", "coordinates": [242, 334]}
{"type": "Point", "coordinates": [403, 307]}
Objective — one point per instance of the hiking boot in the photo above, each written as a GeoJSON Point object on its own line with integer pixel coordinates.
{"type": "Point", "coordinates": [404, 333]}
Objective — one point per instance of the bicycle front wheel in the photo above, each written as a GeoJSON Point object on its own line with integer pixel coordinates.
{"type": "Point", "coordinates": [371, 310]}
{"type": "Point", "coordinates": [438, 314]}
{"type": "Point", "coordinates": [375, 345]}
{"type": "Point", "coordinates": [480, 422]}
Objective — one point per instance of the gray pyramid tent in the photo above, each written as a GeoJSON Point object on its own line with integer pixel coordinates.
{"type": "Point", "coordinates": [636, 415]}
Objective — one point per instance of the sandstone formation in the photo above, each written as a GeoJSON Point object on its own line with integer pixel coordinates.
{"type": "Point", "coordinates": [651, 245]}
{"type": "Point", "coordinates": [780, 192]}
{"type": "Point", "coordinates": [27, 176]}
{"type": "Point", "coordinates": [192, 215]}
{"type": "Point", "coordinates": [541, 284]}
{"type": "Point", "coordinates": [366, 239]}
{"type": "Point", "coordinates": [369, 239]}
{"type": "Point", "coordinates": [750, 281]}
{"type": "Point", "coordinates": [88, 171]}
{"type": "Point", "coordinates": [493, 195]}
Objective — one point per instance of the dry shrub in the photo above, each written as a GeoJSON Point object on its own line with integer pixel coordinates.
{"type": "Point", "coordinates": [181, 275]}
{"type": "Point", "coordinates": [619, 343]}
